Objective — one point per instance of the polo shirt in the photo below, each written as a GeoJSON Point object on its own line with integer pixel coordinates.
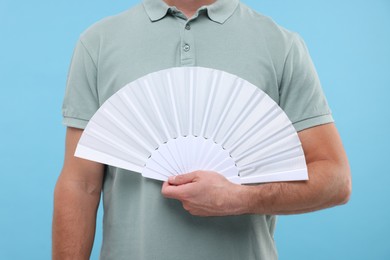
{"type": "Point", "coordinates": [138, 222]}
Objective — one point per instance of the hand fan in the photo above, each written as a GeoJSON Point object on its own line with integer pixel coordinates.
{"type": "Point", "coordinates": [185, 119]}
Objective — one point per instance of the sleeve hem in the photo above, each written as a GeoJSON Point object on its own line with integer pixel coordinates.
{"type": "Point", "coordinates": [74, 122]}
{"type": "Point", "coordinates": [313, 121]}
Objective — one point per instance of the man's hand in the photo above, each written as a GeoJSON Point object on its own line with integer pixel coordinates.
{"type": "Point", "coordinates": [204, 193]}
{"type": "Point", "coordinates": [329, 184]}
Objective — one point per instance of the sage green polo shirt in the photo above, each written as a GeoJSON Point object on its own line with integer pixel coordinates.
{"type": "Point", "coordinates": [227, 35]}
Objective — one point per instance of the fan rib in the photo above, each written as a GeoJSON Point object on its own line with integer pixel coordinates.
{"type": "Point", "coordinates": [113, 143]}
{"type": "Point", "coordinates": [292, 175]}
{"type": "Point", "coordinates": [279, 156]}
{"type": "Point", "coordinates": [178, 156]}
{"type": "Point", "coordinates": [156, 109]}
{"type": "Point", "coordinates": [216, 157]}
{"type": "Point", "coordinates": [124, 129]}
{"type": "Point", "coordinates": [115, 107]}
{"type": "Point", "coordinates": [101, 149]}
{"type": "Point", "coordinates": [191, 102]}
{"type": "Point", "coordinates": [259, 125]}
{"type": "Point", "coordinates": [181, 153]}
{"type": "Point", "coordinates": [173, 103]}
{"type": "Point", "coordinates": [157, 175]}
{"type": "Point", "coordinates": [271, 139]}
{"type": "Point", "coordinates": [210, 103]}
{"type": "Point", "coordinates": [161, 166]}
{"type": "Point", "coordinates": [254, 99]}
{"type": "Point", "coordinates": [218, 165]}
{"type": "Point", "coordinates": [224, 167]}
{"type": "Point", "coordinates": [230, 171]}
{"type": "Point", "coordinates": [222, 118]}
{"type": "Point", "coordinates": [96, 155]}
{"type": "Point", "coordinates": [163, 154]}
{"type": "Point", "coordinates": [207, 154]}
{"type": "Point", "coordinates": [141, 118]}
{"type": "Point", "coordinates": [171, 160]}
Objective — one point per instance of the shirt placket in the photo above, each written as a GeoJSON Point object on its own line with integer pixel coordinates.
{"type": "Point", "coordinates": [187, 42]}
{"type": "Point", "coordinates": [188, 47]}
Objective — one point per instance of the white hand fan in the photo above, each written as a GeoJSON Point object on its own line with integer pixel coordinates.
{"type": "Point", "coordinates": [180, 120]}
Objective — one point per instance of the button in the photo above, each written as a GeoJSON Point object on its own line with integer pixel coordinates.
{"type": "Point", "coordinates": [188, 27]}
{"type": "Point", "coordinates": [186, 47]}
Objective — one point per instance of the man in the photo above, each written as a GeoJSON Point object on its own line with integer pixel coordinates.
{"type": "Point", "coordinates": [198, 215]}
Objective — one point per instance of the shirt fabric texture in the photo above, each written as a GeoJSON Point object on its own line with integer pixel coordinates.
{"type": "Point", "coordinates": [138, 222]}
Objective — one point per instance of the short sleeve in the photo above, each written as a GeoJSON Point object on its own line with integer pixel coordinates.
{"type": "Point", "coordinates": [81, 95]}
{"type": "Point", "coordinates": [301, 95]}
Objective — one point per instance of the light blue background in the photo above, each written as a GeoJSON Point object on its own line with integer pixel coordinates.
{"type": "Point", "coordinates": [350, 45]}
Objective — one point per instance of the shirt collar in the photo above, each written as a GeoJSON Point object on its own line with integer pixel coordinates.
{"type": "Point", "coordinates": [218, 12]}
{"type": "Point", "coordinates": [221, 10]}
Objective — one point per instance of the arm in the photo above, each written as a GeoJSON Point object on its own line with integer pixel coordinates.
{"type": "Point", "coordinates": [210, 194]}
{"type": "Point", "coordinates": [76, 199]}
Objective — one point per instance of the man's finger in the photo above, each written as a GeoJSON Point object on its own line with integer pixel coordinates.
{"type": "Point", "coordinates": [167, 190]}
{"type": "Point", "coordinates": [172, 191]}
{"type": "Point", "coordinates": [182, 179]}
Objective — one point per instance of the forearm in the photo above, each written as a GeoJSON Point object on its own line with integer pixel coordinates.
{"type": "Point", "coordinates": [74, 219]}
{"type": "Point", "coordinates": [328, 186]}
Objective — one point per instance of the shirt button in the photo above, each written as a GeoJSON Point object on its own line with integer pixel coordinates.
{"type": "Point", "coordinates": [186, 47]}
{"type": "Point", "coordinates": [188, 27]}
